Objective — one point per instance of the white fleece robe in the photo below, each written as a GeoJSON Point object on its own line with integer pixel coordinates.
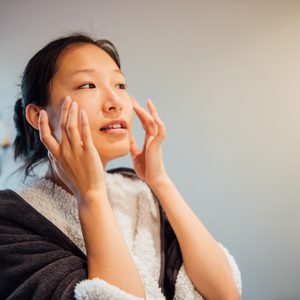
{"type": "Point", "coordinates": [137, 213]}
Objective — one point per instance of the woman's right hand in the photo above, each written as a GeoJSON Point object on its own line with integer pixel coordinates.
{"type": "Point", "coordinates": [75, 159]}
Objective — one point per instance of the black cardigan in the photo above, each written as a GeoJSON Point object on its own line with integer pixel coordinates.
{"type": "Point", "coordinates": [38, 261]}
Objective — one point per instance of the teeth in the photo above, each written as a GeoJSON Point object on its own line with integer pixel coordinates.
{"type": "Point", "coordinates": [115, 126]}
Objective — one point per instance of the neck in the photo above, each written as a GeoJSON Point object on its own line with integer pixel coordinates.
{"type": "Point", "coordinates": [55, 178]}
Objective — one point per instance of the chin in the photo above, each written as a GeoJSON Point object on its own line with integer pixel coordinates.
{"type": "Point", "coordinates": [112, 151]}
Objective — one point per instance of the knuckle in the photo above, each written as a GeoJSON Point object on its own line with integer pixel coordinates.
{"type": "Point", "coordinates": [71, 127]}
{"type": "Point", "coordinates": [62, 125]}
{"type": "Point", "coordinates": [65, 107]}
{"type": "Point", "coordinates": [65, 156]}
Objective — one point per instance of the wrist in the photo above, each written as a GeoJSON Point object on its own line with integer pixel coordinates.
{"type": "Point", "coordinates": [91, 198]}
{"type": "Point", "coordinates": [160, 182]}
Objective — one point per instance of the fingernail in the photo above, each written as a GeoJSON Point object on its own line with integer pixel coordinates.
{"type": "Point", "coordinates": [67, 100]}
{"type": "Point", "coordinates": [74, 104]}
{"type": "Point", "coordinates": [82, 114]}
{"type": "Point", "coordinates": [41, 114]}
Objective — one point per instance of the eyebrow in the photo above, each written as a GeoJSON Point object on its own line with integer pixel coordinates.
{"type": "Point", "coordinates": [93, 71]}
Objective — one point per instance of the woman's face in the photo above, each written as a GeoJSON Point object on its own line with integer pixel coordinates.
{"type": "Point", "coordinates": [92, 79]}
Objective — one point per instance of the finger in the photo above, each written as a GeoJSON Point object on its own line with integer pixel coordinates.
{"type": "Point", "coordinates": [134, 149]}
{"type": "Point", "coordinates": [134, 101]}
{"type": "Point", "coordinates": [148, 137]}
{"type": "Point", "coordinates": [45, 134]}
{"type": "Point", "coordinates": [161, 132]}
{"type": "Point", "coordinates": [161, 129]}
{"type": "Point", "coordinates": [64, 118]}
{"type": "Point", "coordinates": [87, 140]}
{"type": "Point", "coordinates": [72, 126]}
{"type": "Point", "coordinates": [145, 118]}
{"type": "Point", "coordinates": [154, 114]}
{"type": "Point", "coordinates": [152, 108]}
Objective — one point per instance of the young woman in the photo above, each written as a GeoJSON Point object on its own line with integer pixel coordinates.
{"type": "Point", "coordinates": [80, 231]}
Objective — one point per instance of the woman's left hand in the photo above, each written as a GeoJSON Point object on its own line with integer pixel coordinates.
{"type": "Point", "coordinates": [148, 162]}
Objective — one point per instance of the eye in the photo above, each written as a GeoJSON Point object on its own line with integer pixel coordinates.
{"type": "Point", "coordinates": [87, 86]}
{"type": "Point", "coordinates": [123, 86]}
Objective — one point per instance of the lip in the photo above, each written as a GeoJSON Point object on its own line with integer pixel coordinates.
{"type": "Point", "coordinates": [115, 131]}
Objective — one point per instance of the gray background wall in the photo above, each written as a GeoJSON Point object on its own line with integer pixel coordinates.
{"type": "Point", "coordinates": [225, 76]}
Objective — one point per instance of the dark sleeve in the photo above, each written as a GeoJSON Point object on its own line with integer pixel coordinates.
{"type": "Point", "coordinates": [171, 257]}
{"type": "Point", "coordinates": [37, 261]}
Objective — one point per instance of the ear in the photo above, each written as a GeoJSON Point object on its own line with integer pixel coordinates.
{"type": "Point", "coordinates": [32, 115]}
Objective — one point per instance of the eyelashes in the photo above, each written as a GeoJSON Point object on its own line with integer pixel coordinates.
{"type": "Point", "coordinates": [123, 86]}
{"type": "Point", "coordinates": [87, 86]}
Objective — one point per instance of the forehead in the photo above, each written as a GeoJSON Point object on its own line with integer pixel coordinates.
{"type": "Point", "coordinates": [84, 56]}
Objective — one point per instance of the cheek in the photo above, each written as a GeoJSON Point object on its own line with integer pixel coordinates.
{"type": "Point", "coordinates": [92, 114]}
{"type": "Point", "coordinates": [54, 115]}
{"type": "Point", "coordinates": [129, 111]}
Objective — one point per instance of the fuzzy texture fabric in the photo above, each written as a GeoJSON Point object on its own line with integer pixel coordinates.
{"type": "Point", "coordinates": [137, 213]}
{"type": "Point", "coordinates": [101, 290]}
{"type": "Point", "coordinates": [234, 268]}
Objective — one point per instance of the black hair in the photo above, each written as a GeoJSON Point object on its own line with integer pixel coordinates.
{"type": "Point", "coordinates": [35, 88]}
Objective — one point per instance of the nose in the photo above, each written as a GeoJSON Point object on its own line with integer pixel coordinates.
{"type": "Point", "coordinates": [112, 102]}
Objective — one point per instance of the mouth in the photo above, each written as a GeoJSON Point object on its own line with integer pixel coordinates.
{"type": "Point", "coordinates": [115, 127]}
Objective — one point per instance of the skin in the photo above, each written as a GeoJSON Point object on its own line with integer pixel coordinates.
{"type": "Point", "coordinates": [79, 152]}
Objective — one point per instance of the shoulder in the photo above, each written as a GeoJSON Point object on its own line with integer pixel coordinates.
{"type": "Point", "coordinates": [6, 194]}
{"type": "Point", "coordinates": [10, 201]}
{"type": "Point", "coordinates": [32, 249]}
{"type": "Point", "coordinates": [21, 220]}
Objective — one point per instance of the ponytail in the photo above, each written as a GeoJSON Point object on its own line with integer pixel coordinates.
{"type": "Point", "coordinates": [20, 141]}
